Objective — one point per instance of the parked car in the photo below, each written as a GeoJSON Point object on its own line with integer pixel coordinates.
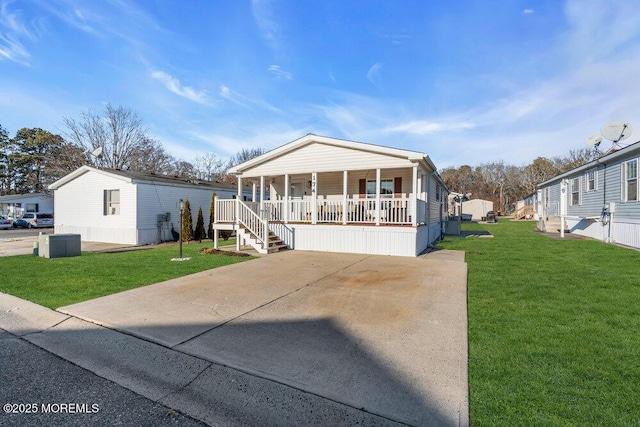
{"type": "Point", "coordinates": [37, 220]}
{"type": "Point", "coordinates": [5, 222]}
{"type": "Point", "coordinates": [20, 223]}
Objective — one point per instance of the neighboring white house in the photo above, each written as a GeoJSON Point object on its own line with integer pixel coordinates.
{"type": "Point", "coordinates": [600, 199]}
{"type": "Point", "coordinates": [16, 205]}
{"type": "Point", "coordinates": [328, 194]}
{"type": "Point", "coordinates": [127, 207]}
{"type": "Point", "coordinates": [477, 208]}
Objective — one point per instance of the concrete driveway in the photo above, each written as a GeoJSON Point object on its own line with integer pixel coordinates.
{"type": "Point", "coordinates": [21, 242]}
{"type": "Point", "coordinates": [385, 334]}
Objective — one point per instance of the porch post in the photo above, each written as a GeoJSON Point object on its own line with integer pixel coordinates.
{"type": "Point", "coordinates": [345, 176]}
{"type": "Point", "coordinates": [238, 198]}
{"type": "Point", "coordinates": [428, 213]}
{"type": "Point", "coordinates": [314, 198]}
{"type": "Point", "coordinates": [253, 195]}
{"type": "Point", "coordinates": [414, 201]}
{"type": "Point", "coordinates": [215, 221]}
{"type": "Point", "coordinates": [286, 198]}
{"type": "Point", "coordinates": [378, 196]}
{"type": "Point", "coordinates": [262, 214]}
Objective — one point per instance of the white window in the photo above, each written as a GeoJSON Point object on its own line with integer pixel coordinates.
{"type": "Point", "coordinates": [591, 180]}
{"type": "Point", "coordinates": [575, 191]}
{"type": "Point", "coordinates": [386, 188]}
{"type": "Point", "coordinates": [112, 202]}
{"type": "Point", "coordinates": [631, 180]}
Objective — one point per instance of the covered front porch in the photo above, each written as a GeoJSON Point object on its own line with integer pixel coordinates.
{"type": "Point", "coordinates": [348, 211]}
{"type": "Point", "coordinates": [321, 193]}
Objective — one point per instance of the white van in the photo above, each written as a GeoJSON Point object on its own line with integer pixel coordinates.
{"type": "Point", "coordinates": [38, 220]}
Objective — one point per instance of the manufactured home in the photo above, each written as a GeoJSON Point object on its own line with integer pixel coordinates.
{"type": "Point", "coordinates": [328, 194]}
{"type": "Point", "coordinates": [600, 199]}
{"type": "Point", "coordinates": [16, 205]}
{"type": "Point", "coordinates": [116, 206]}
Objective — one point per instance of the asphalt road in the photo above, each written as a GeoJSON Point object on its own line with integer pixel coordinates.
{"type": "Point", "coordinates": [39, 388]}
{"type": "Point", "coordinates": [15, 233]}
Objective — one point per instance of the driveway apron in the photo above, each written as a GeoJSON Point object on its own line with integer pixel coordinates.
{"type": "Point", "coordinates": [385, 334]}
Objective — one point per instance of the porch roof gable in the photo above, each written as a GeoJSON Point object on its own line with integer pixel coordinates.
{"type": "Point", "coordinates": [309, 139]}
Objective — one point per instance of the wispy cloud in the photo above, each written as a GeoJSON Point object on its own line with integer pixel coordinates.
{"type": "Point", "coordinates": [230, 95]}
{"type": "Point", "coordinates": [423, 127]}
{"type": "Point", "coordinates": [243, 101]}
{"type": "Point", "coordinates": [174, 85]}
{"type": "Point", "coordinates": [373, 74]}
{"type": "Point", "coordinates": [12, 29]}
{"type": "Point", "coordinates": [527, 11]}
{"type": "Point", "coordinates": [280, 73]}
{"type": "Point", "coordinates": [264, 17]}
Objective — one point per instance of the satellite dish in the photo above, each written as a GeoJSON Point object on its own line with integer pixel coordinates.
{"type": "Point", "coordinates": [616, 131]}
{"type": "Point", "coordinates": [97, 152]}
{"type": "Point", "coordinates": [593, 141]}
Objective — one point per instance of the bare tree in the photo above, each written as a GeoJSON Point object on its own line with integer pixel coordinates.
{"type": "Point", "coordinates": [151, 157]}
{"type": "Point", "coordinates": [208, 167]}
{"type": "Point", "coordinates": [241, 157]}
{"type": "Point", "coordinates": [183, 169]}
{"type": "Point", "coordinates": [245, 155]}
{"type": "Point", "coordinates": [119, 132]}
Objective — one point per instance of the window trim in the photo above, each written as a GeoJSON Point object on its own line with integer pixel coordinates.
{"type": "Point", "coordinates": [110, 206]}
{"type": "Point", "coordinates": [382, 195]}
{"type": "Point", "coordinates": [575, 191]}
{"type": "Point", "coordinates": [588, 180]}
{"type": "Point", "coordinates": [626, 180]}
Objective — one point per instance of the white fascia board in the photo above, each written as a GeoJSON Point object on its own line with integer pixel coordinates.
{"type": "Point", "coordinates": [81, 171]}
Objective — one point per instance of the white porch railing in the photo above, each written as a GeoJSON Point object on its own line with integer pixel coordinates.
{"type": "Point", "coordinates": [357, 211]}
{"type": "Point", "coordinates": [225, 211]}
{"type": "Point", "coordinates": [252, 222]}
{"type": "Point", "coordinates": [552, 209]}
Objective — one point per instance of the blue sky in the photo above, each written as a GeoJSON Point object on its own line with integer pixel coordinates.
{"type": "Point", "coordinates": [466, 82]}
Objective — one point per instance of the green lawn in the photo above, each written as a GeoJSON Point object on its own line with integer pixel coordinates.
{"type": "Point", "coordinates": [554, 329]}
{"type": "Point", "coordinates": [62, 281]}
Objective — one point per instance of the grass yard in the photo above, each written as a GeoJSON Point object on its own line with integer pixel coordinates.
{"type": "Point", "coordinates": [58, 282]}
{"type": "Point", "coordinates": [554, 329]}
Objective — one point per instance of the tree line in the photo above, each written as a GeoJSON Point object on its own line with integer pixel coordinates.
{"type": "Point", "coordinates": [505, 184]}
{"type": "Point", "coordinates": [116, 138]}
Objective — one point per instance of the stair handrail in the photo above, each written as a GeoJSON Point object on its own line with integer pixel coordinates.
{"type": "Point", "coordinates": [252, 222]}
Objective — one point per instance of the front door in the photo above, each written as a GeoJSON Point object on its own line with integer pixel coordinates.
{"type": "Point", "coordinates": [296, 194]}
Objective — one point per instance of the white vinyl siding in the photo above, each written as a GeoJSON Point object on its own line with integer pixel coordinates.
{"type": "Point", "coordinates": [325, 158]}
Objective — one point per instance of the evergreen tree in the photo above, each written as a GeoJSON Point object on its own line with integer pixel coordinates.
{"type": "Point", "coordinates": [187, 223]}
{"type": "Point", "coordinates": [199, 232]}
{"type": "Point", "coordinates": [212, 209]}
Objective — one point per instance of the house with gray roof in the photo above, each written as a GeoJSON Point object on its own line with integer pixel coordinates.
{"type": "Point", "coordinates": [600, 199]}
{"type": "Point", "coordinates": [116, 206]}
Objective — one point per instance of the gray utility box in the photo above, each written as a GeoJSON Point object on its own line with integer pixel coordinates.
{"type": "Point", "coordinates": [59, 245]}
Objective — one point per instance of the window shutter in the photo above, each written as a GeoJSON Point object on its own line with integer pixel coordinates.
{"type": "Point", "coordinates": [362, 188]}
{"type": "Point", "coordinates": [105, 204]}
{"type": "Point", "coordinates": [397, 186]}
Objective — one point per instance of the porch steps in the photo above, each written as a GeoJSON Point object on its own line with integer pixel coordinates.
{"type": "Point", "coordinates": [552, 225]}
{"type": "Point", "coordinates": [276, 244]}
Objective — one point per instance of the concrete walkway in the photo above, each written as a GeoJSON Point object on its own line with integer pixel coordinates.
{"type": "Point", "coordinates": [291, 338]}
